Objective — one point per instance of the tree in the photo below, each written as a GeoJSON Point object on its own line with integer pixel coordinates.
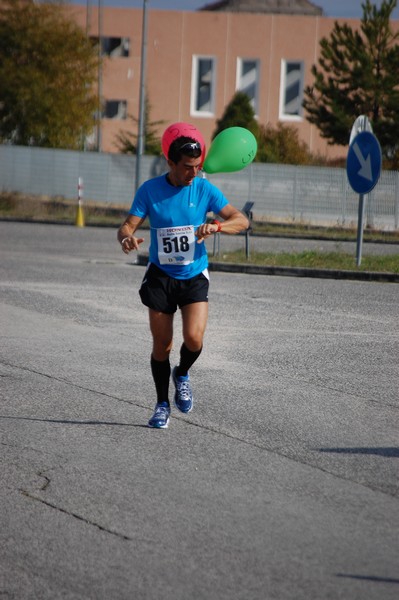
{"type": "Point", "coordinates": [275, 145]}
{"type": "Point", "coordinates": [282, 145]}
{"type": "Point", "coordinates": [47, 71]}
{"type": "Point", "coordinates": [358, 75]}
{"type": "Point", "coordinates": [238, 113]}
{"type": "Point", "coordinates": [126, 141]}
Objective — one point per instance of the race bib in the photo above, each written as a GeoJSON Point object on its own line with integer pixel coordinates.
{"type": "Point", "coordinates": [176, 245]}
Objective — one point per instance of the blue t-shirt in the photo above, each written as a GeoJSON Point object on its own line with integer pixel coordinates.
{"type": "Point", "coordinates": [175, 213]}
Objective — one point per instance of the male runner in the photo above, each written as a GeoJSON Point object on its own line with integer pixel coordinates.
{"type": "Point", "coordinates": [177, 205]}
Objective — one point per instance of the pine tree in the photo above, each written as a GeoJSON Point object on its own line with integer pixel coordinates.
{"type": "Point", "coordinates": [126, 141]}
{"type": "Point", "coordinates": [358, 75]}
{"type": "Point", "coordinates": [238, 113]}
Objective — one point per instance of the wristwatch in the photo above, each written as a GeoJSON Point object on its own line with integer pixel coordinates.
{"type": "Point", "coordinates": [218, 223]}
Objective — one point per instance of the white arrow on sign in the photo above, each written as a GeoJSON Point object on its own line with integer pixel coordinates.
{"type": "Point", "coordinates": [365, 163]}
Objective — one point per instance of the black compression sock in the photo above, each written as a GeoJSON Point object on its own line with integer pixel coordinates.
{"type": "Point", "coordinates": [187, 359]}
{"type": "Point", "coordinates": [161, 373]}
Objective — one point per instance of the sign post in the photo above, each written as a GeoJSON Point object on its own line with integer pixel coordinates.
{"type": "Point", "coordinates": [363, 167]}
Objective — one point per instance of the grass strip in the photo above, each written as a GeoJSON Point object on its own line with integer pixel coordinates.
{"type": "Point", "coordinates": [312, 259]}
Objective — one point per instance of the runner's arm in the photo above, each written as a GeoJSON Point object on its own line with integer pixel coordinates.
{"type": "Point", "coordinates": [126, 232]}
{"type": "Point", "coordinates": [233, 222]}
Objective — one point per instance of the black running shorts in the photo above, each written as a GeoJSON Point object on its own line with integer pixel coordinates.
{"type": "Point", "coordinates": [164, 294]}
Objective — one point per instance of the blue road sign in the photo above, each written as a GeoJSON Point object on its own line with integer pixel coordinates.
{"type": "Point", "coordinates": [363, 164]}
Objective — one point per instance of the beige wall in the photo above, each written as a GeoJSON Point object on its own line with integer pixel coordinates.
{"type": "Point", "coordinates": [174, 37]}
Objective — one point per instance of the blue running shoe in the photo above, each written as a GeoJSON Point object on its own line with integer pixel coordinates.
{"type": "Point", "coordinates": [160, 418]}
{"type": "Point", "coordinates": [183, 393]}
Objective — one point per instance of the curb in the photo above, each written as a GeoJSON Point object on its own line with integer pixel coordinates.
{"type": "Point", "coordinates": [142, 260]}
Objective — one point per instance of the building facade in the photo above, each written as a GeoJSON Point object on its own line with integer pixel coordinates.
{"type": "Point", "coordinates": [196, 61]}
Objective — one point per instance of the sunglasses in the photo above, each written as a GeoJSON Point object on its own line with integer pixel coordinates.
{"type": "Point", "coordinates": [192, 149]}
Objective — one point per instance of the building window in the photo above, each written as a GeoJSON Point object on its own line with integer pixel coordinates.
{"type": "Point", "coordinates": [114, 46]}
{"type": "Point", "coordinates": [248, 79]}
{"type": "Point", "coordinates": [115, 109]}
{"type": "Point", "coordinates": [291, 90]}
{"type": "Point", "coordinates": [203, 85]}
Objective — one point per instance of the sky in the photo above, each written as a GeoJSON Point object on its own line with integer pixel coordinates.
{"type": "Point", "coordinates": [332, 8]}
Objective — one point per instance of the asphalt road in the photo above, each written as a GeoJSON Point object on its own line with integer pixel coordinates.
{"type": "Point", "coordinates": [281, 484]}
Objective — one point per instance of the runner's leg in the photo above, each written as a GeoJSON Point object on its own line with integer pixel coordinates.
{"type": "Point", "coordinates": [161, 326]}
{"type": "Point", "coordinates": [194, 318]}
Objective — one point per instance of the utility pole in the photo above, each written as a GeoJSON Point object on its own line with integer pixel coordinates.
{"type": "Point", "coordinates": [88, 18]}
{"type": "Point", "coordinates": [140, 135]}
{"type": "Point", "coordinates": [100, 73]}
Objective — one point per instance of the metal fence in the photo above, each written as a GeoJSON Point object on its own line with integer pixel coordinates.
{"type": "Point", "coordinates": [315, 195]}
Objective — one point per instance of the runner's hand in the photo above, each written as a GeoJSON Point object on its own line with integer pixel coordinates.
{"type": "Point", "coordinates": [131, 243]}
{"type": "Point", "coordinates": [204, 231]}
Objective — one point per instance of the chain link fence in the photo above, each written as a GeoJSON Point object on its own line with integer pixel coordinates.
{"type": "Point", "coordinates": [281, 193]}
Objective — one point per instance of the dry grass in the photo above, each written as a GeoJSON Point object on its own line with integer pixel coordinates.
{"type": "Point", "coordinates": [57, 210]}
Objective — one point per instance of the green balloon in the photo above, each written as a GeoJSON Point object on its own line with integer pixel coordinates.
{"type": "Point", "coordinates": [232, 149]}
